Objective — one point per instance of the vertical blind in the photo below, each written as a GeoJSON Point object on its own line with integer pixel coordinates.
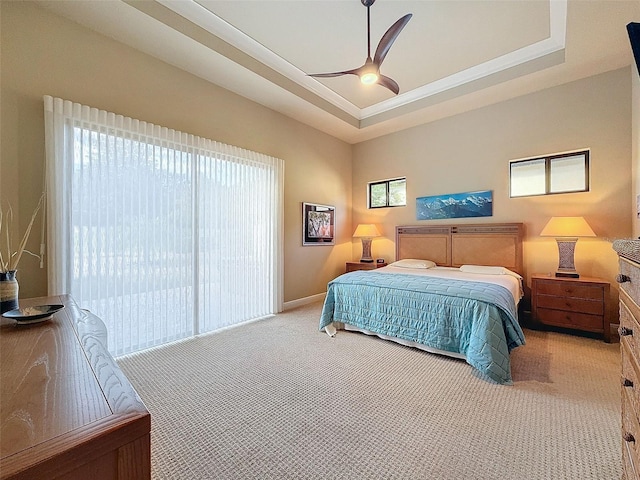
{"type": "Point", "coordinates": [160, 233]}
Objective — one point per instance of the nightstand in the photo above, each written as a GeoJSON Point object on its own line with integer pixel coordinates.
{"type": "Point", "coordinates": [575, 303]}
{"type": "Point", "coordinates": [353, 266]}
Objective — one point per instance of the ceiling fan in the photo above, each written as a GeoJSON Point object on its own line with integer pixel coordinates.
{"type": "Point", "coordinates": [369, 73]}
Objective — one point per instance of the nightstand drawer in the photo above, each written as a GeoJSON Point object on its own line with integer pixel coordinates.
{"type": "Point", "coordinates": [580, 321]}
{"type": "Point", "coordinates": [353, 266]}
{"type": "Point", "coordinates": [571, 304]}
{"type": "Point", "coordinates": [590, 292]}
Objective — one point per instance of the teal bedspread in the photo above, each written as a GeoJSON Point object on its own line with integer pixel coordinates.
{"type": "Point", "coordinates": [477, 320]}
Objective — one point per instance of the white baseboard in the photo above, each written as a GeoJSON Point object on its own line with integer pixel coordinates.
{"type": "Point", "coordinates": [303, 301]}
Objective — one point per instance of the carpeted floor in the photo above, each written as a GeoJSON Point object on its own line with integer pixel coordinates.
{"type": "Point", "coordinates": [277, 399]}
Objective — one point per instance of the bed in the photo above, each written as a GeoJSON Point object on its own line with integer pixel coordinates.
{"type": "Point", "coordinates": [453, 290]}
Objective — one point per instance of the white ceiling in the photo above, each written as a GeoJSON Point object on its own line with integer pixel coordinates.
{"type": "Point", "coordinates": [452, 56]}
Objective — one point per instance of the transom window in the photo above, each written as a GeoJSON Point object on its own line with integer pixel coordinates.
{"type": "Point", "coordinates": [388, 193]}
{"type": "Point", "coordinates": [551, 174]}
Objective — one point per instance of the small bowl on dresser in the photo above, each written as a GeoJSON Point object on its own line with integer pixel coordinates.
{"type": "Point", "coordinates": [35, 314]}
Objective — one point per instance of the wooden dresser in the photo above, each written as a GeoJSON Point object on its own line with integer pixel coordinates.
{"type": "Point", "coordinates": [66, 410]}
{"type": "Point", "coordinates": [629, 279]}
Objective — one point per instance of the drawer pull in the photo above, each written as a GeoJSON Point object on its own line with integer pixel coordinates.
{"type": "Point", "coordinates": [621, 278]}
{"type": "Point", "coordinates": [627, 383]}
{"type": "Point", "coordinates": [629, 438]}
{"type": "Point", "coordinates": [624, 331]}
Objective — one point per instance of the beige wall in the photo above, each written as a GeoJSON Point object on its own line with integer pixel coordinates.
{"type": "Point", "coordinates": [635, 105]}
{"type": "Point", "coordinates": [45, 54]}
{"type": "Point", "coordinates": [471, 152]}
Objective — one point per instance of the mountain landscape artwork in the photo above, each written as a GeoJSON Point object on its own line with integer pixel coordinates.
{"type": "Point", "coordinates": [456, 205]}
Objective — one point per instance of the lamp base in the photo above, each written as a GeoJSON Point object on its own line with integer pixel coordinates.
{"type": "Point", "coordinates": [366, 250]}
{"type": "Point", "coordinates": [573, 274]}
{"type": "Point", "coordinates": [566, 265]}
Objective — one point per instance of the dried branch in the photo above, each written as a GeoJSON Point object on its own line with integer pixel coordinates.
{"type": "Point", "coordinates": [13, 257]}
{"type": "Point", "coordinates": [3, 264]}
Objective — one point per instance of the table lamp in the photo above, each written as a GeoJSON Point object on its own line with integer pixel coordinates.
{"type": "Point", "coordinates": [567, 230]}
{"type": "Point", "coordinates": [366, 232]}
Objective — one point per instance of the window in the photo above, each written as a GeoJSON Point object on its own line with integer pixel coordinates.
{"type": "Point", "coordinates": [388, 193]}
{"type": "Point", "coordinates": [161, 234]}
{"type": "Point", "coordinates": [560, 173]}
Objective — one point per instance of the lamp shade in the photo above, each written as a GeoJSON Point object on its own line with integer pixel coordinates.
{"type": "Point", "coordinates": [567, 227]}
{"type": "Point", "coordinates": [366, 230]}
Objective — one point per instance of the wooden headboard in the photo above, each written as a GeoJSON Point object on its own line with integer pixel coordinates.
{"type": "Point", "coordinates": [494, 244]}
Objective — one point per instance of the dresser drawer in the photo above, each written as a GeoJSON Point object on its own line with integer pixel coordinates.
{"type": "Point", "coordinates": [572, 304]}
{"type": "Point", "coordinates": [630, 438]}
{"type": "Point", "coordinates": [628, 472]}
{"type": "Point", "coordinates": [630, 379]}
{"type": "Point", "coordinates": [629, 328]}
{"type": "Point", "coordinates": [630, 270]}
{"type": "Point", "coordinates": [561, 318]}
{"type": "Point", "coordinates": [590, 292]}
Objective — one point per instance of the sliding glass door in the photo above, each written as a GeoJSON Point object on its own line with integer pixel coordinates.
{"type": "Point", "coordinates": [161, 234]}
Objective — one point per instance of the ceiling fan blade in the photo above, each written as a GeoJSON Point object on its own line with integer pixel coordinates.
{"type": "Point", "coordinates": [390, 83]}
{"type": "Point", "coordinates": [355, 71]}
{"type": "Point", "coordinates": [389, 37]}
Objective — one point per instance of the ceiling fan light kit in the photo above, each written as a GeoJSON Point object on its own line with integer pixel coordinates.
{"type": "Point", "coordinates": [369, 78]}
{"type": "Point", "coordinates": [369, 73]}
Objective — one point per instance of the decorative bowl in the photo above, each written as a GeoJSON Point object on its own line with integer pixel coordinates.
{"type": "Point", "coordinates": [27, 315]}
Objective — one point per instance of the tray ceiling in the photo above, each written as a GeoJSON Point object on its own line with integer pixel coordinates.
{"type": "Point", "coordinates": [451, 57]}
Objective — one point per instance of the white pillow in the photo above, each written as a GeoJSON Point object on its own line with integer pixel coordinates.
{"type": "Point", "coordinates": [413, 263]}
{"type": "Point", "coordinates": [488, 270]}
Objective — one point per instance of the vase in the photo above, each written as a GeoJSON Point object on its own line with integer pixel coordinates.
{"type": "Point", "coordinates": [8, 291]}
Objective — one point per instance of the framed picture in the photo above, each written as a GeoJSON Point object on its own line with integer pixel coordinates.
{"type": "Point", "coordinates": [455, 205]}
{"type": "Point", "coordinates": [317, 224]}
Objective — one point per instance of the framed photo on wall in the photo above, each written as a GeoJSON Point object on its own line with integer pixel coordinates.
{"type": "Point", "coordinates": [318, 224]}
{"type": "Point", "coordinates": [455, 205]}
